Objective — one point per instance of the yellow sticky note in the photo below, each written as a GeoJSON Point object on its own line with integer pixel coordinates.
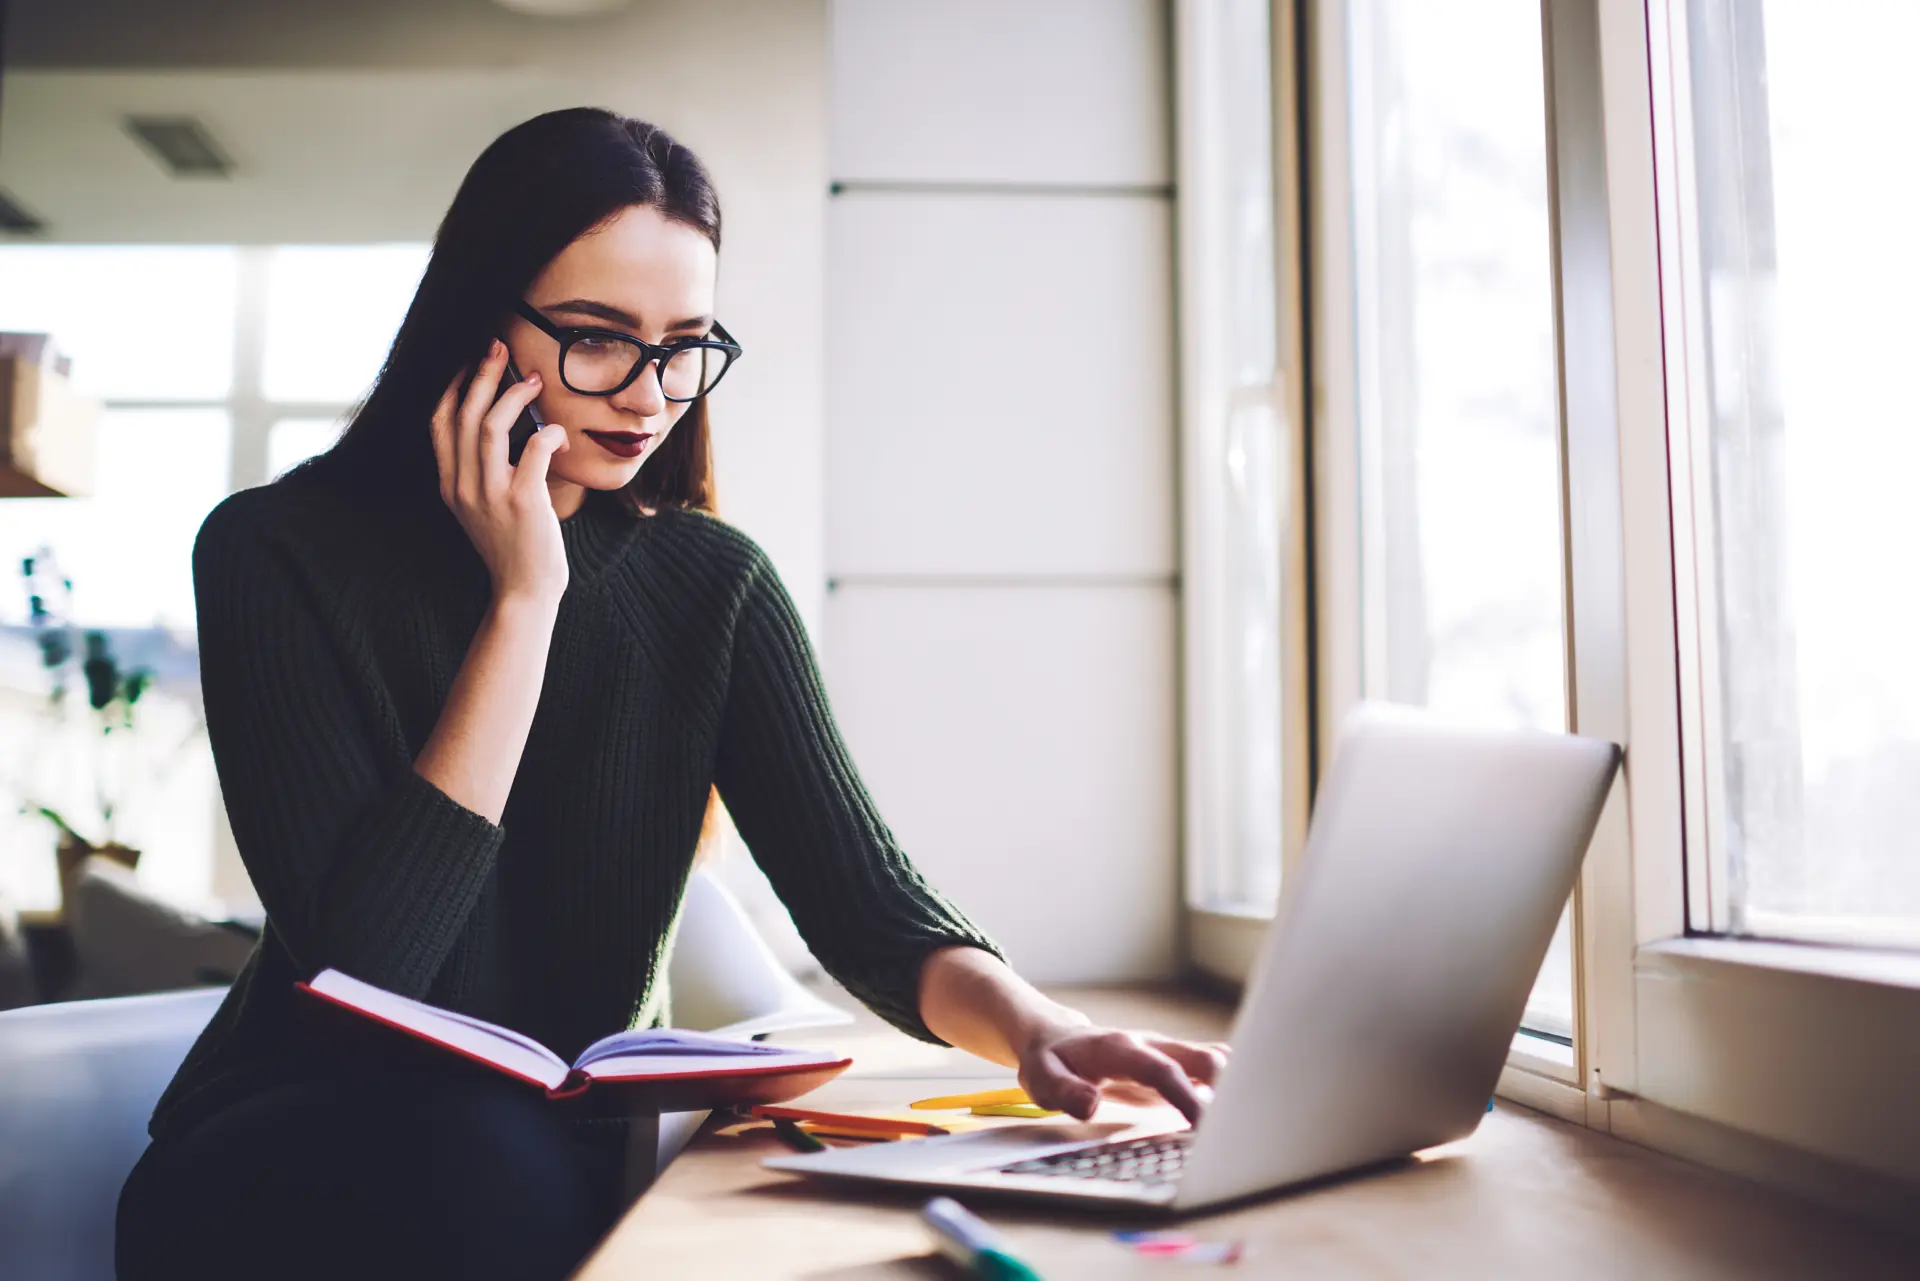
{"type": "Point", "coordinates": [1014, 1109]}
{"type": "Point", "coordinates": [982, 1098]}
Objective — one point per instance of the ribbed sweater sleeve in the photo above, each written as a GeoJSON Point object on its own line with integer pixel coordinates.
{"type": "Point", "coordinates": [361, 864]}
{"type": "Point", "coordinates": [792, 789]}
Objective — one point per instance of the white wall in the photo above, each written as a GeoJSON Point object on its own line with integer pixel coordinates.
{"type": "Point", "coordinates": [1000, 532]}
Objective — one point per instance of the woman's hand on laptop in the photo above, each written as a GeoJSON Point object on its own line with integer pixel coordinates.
{"type": "Point", "coordinates": [969, 998]}
{"type": "Point", "coordinates": [1073, 1067]}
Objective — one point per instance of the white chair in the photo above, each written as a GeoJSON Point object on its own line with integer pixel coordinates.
{"type": "Point", "coordinates": [79, 1079]}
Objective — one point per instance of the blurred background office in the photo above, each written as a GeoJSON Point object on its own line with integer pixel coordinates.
{"type": "Point", "coordinates": [1133, 385]}
{"type": "Point", "coordinates": [950, 253]}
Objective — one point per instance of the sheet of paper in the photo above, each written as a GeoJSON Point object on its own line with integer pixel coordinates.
{"type": "Point", "coordinates": [726, 980]}
{"type": "Point", "coordinates": [671, 1042]}
{"type": "Point", "coordinates": [640, 1065]}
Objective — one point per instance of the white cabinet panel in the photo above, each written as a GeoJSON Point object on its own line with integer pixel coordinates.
{"type": "Point", "coordinates": [1021, 744]}
{"type": "Point", "coordinates": [1000, 385]}
{"type": "Point", "coordinates": [1064, 91]}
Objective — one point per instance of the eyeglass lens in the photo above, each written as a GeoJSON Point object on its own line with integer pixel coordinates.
{"type": "Point", "coordinates": [597, 365]}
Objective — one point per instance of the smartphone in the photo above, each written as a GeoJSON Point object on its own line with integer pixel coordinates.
{"type": "Point", "coordinates": [526, 424]}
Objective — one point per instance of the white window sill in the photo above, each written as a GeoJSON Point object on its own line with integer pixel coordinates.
{"type": "Point", "coordinates": [1223, 942]}
{"type": "Point", "coordinates": [1705, 955]}
{"type": "Point", "coordinates": [1539, 1054]}
{"type": "Point", "coordinates": [1802, 1044]}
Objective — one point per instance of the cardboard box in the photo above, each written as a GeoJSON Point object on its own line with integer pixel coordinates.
{"type": "Point", "coordinates": [47, 433]}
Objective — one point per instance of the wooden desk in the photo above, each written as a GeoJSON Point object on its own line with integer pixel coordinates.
{"type": "Point", "coordinates": [1525, 1195]}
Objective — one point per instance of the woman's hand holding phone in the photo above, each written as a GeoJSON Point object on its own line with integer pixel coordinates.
{"type": "Point", "coordinates": [506, 509]}
{"type": "Point", "coordinates": [475, 748]}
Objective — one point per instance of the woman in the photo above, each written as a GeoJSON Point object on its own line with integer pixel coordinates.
{"type": "Point", "coordinates": [468, 716]}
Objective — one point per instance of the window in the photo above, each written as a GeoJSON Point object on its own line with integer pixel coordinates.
{"type": "Point", "coordinates": [161, 335]}
{"type": "Point", "coordinates": [1716, 508]}
{"type": "Point", "coordinates": [142, 323]}
{"type": "Point", "coordinates": [1799, 276]}
{"type": "Point", "coordinates": [291, 441]}
{"type": "Point", "coordinates": [332, 311]}
{"type": "Point", "coordinates": [218, 367]}
{"type": "Point", "coordinates": [1455, 422]}
{"type": "Point", "coordinates": [1235, 443]}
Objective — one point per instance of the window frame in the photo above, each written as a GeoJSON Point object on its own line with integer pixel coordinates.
{"type": "Point", "coordinates": [1222, 940]}
{"type": "Point", "coordinates": [1778, 1061]}
{"type": "Point", "coordinates": [1340, 501]}
{"type": "Point", "coordinates": [1772, 1060]}
{"type": "Point", "coordinates": [253, 414]}
{"type": "Point", "coordinates": [1785, 1043]}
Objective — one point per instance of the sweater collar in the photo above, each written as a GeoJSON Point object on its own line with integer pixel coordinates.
{"type": "Point", "coordinates": [596, 536]}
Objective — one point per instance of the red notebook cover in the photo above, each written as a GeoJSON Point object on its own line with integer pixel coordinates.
{"type": "Point", "coordinates": [349, 1031]}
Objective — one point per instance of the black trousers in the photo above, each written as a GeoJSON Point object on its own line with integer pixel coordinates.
{"type": "Point", "coordinates": [416, 1176]}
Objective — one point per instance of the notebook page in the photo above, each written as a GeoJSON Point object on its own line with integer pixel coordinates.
{"type": "Point", "coordinates": [521, 1055]}
{"type": "Point", "coordinates": [693, 1062]}
{"type": "Point", "coordinates": [673, 1041]}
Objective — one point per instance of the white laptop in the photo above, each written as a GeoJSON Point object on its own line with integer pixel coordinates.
{"type": "Point", "coordinates": [1386, 996]}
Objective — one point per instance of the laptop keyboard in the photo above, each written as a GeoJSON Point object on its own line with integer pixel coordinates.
{"type": "Point", "coordinates": [1144, 1161]}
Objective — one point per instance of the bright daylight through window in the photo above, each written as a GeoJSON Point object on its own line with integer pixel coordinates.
{"type": "Point", "coordinates": [1797, 230]}
{"type": "Point", "coordinates": [1237, 517]}
{"type": "Point", "coordinates": [1458, 436]}
{"type": "Point", "coordinates": [203, 357]}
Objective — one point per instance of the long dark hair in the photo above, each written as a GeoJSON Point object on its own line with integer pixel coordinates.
{"type": "Point", "coordinates": [539, 187]}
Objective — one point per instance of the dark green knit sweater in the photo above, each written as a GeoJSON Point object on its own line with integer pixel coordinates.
{"type": "Point", "coordinates": [331, 629]}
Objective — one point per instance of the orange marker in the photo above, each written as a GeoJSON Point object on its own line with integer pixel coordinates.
{"type": "Point", "coordinates": [878, 1126]}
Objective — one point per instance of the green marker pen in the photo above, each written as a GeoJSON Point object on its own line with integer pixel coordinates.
{"type": "Point", "coordinates": [972, 1244]}
{"type": "Point", "coordinates": [796, 1138]}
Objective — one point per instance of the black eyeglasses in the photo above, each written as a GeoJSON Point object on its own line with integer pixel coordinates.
{"type": "Point", "coordinates": [604, 362]}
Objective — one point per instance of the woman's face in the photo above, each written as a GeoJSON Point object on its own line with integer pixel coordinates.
{"type": "Point", "coordinates": [641, 274]}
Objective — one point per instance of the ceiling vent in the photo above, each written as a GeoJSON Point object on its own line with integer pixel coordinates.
{"type": "Point", "coordinates": [182, 145]}
{"type": "Point", "coordinates": [15, 219]}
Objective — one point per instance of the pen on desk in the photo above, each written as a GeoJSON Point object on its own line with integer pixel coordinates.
{"type": "Point", "coordinates": [796, 1138]}
{"type": "Point", "coordinates": [886, 1127]}
{"type": "Point", "coordinates": [972, 1244]}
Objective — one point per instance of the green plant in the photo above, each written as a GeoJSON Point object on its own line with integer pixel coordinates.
{"type": "Point", "coordinates": [113, 692]}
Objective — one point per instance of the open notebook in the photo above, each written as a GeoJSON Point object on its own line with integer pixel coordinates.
{"type": "Point", "coordinates": [664, 1069]}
